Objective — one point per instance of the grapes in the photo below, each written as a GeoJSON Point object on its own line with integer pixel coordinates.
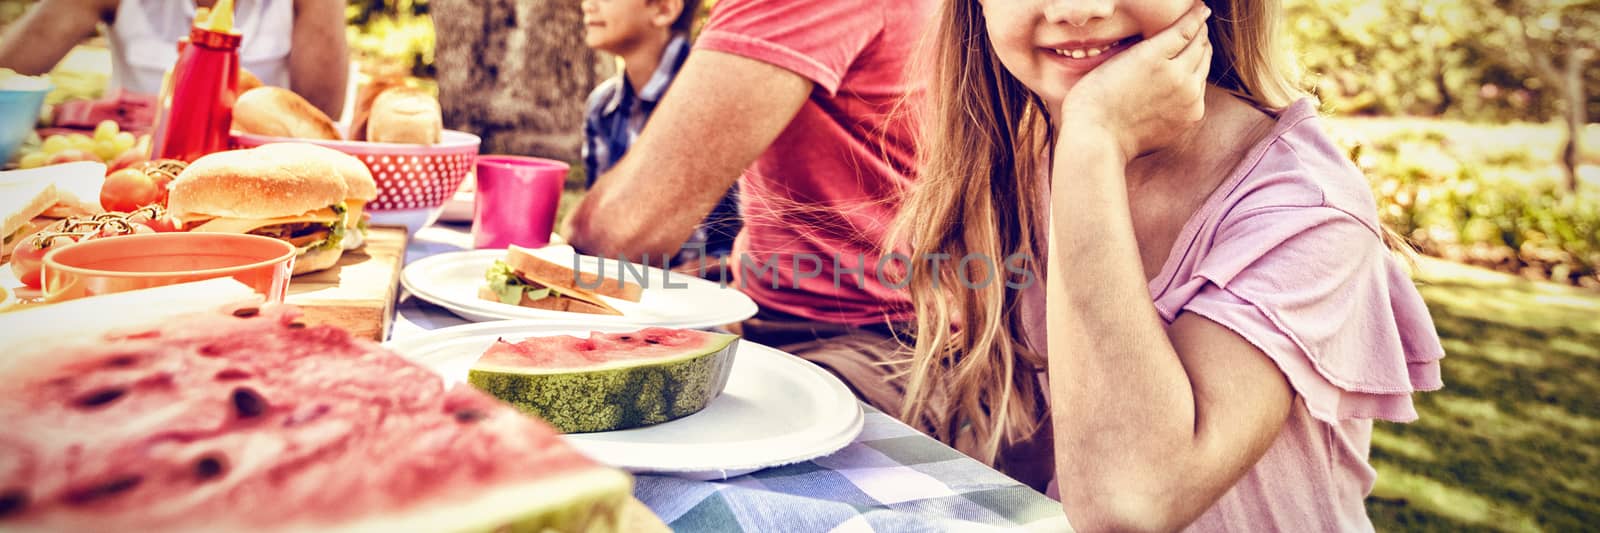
{"type": "Point", "coordinates": [105, 131]}
{"type": "Point", "coordinates": [108, 144]}
{"type": "Point", "coordinates": [34, 160]}
{"type": "Point", "coordinates": [53, 144]}
{"type": "Point", "coordinates": [123, 141]}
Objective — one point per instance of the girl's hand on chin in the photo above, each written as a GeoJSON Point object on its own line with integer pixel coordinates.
{"type": "Point", "coordinates": [1145, 96]}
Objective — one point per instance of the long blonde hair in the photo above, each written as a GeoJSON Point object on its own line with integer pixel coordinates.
{"type": "Point", "coordinates": [973, 380]}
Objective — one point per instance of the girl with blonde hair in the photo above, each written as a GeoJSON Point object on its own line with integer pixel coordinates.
{"type": "Point", "coordinates": [1212, 318]}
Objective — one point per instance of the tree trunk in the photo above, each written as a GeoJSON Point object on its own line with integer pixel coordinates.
{"type": "Point", "coordinates": [515, 72]}
{"type": "Point", "coordinates": [1577, 113]}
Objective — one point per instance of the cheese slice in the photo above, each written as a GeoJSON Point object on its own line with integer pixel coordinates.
{"type": "Point", "coordinates": [325, 215]}
{"type": "Point", "coordinates": [352, 213]}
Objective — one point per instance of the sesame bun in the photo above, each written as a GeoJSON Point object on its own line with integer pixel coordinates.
{"type": "Point", "coordinates": [358, 181]}
{"type": "Point", "coordinates": [255, 184]}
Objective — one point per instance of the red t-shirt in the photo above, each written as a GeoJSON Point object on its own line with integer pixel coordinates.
{"type": "Point", "coordinates": [822, 197]}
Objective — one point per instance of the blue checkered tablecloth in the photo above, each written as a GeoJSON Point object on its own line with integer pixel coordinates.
{"type": "Point", "coordinates": [890, 479]}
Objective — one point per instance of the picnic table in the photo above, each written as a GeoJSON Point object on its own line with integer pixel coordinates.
{"type": "Point", "coordinates": [891, 478]}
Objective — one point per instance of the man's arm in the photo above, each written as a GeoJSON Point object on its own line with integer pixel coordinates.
{"type": "Point", "coordinates": [319, 63]}
{"type": "Point", "coordinates": [48, 31]}
{"type": "Point", "coordinates": [721, 112]}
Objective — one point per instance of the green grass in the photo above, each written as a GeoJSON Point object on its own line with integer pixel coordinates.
{"type": "Point", "coordinates": [1512, 443]}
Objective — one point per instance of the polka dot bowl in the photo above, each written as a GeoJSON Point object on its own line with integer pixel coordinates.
{"type": "Point", "coordinates": [414, 181]}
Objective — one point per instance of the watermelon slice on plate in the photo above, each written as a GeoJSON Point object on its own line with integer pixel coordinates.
{"type": "Point", "coordinates": [773, 408]}
{"type": "Point", "coordinates": [608, 381]}
{"type": "Point", "coordinates": [251, 421]}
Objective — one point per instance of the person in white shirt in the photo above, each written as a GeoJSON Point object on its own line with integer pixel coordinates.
{"type": "Point", "coordinates": [295, 44]}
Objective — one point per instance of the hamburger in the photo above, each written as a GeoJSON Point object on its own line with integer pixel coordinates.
{"type": "Point", "coordinates": [360, 188]}
{"type": "Point", "coordinates": [299, 199]}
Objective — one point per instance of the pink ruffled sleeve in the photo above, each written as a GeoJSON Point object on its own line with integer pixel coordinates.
{"type": "Point", "coordinates": [1318, 292]}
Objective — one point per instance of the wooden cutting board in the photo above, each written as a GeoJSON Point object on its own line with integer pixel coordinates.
{"type": "Point", "coordinates": [357, 294]}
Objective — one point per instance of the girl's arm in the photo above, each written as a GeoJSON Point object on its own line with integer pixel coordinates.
{"type": "Point", "coordinates": [1153, 424]}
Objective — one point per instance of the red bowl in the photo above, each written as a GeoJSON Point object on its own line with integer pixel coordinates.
{"type": "Point", "coordinates": [409, 176]}
{"type": "Point", "coordinates": [131, 262]}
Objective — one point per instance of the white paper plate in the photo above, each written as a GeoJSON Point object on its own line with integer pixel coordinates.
{"type": "Point", "coordinates": [777, 409]}
{"type": "Point", "coordinates": [451, 280]}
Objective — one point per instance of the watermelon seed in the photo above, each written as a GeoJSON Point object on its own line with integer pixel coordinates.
{"type": "Point", "coordinates": [207, 467]}
{"type": "Point", "coordinates": [112, 488]}
{"type": "Point", "coordinates": [297, 325]}
{"type": "Point", "coordinates": [651, 341]}
{"type": "Point", "coordinates": [247, 312]}
{"type": "Point", "coordinates": [122, 361]}
{"type": "Point", "coordinates": [470, 415]}
{"type": "Point", "coordinates": [100, 397]}
{"type": "Point", "coordinates": [626, 337]}
{"type": "Point", "coordinates": [249, 403]}
{"type": "Point", "coordinates": [230, 374]}
{"type": "Point", "coordinates": [210, 350]}
{"type": "Point", "coordinates": [12, 502]}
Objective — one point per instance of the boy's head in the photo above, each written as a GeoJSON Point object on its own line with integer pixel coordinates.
{"type": "Point", "coordinates": [618, 25]}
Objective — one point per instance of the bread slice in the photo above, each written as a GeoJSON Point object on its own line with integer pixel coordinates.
{"type": "Point", "coordinates": [556, 302]}
{"type": "Point", "coordinates": [21, 202]}
{"type": "Point", "coordinates": [553, 275]}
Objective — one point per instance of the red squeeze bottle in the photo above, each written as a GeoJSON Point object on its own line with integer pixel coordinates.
{"type": "Point", "coordinates": [197, 105]}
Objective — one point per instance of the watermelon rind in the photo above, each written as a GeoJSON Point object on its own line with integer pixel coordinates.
{"type": "Point", "coordinates": [616, 395]}
{"type": "Point", "coordinates": [591, 500]}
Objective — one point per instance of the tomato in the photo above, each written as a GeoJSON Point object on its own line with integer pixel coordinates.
{"type": "Point", "coordinates": [165, 224]}
{"type": "Point", "coordinates": [130, 188]}
{"type": "Point", "coordinates": [27, 261]}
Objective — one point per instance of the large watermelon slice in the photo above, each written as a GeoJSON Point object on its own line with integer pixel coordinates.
{"type": "Point", "coordinates": [609, 381]}
{"type": "Point", "coordinates": [257, 423]}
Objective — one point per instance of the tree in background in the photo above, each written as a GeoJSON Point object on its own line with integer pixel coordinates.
{"type": "Point", "coordinates": [1481, 60]}
{"type": "Point", "coordinates": [515, 72]}
{"type": "Point", "coordinates": [1557, 42]}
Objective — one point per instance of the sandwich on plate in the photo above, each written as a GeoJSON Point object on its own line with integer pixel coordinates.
{"type": "Point", "coordinates": [525, 280]}
{"type": "Point", "coordinates": [263, 192]}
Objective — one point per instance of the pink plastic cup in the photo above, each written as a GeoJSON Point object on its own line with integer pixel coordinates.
{"type": "Point", "coordinates": [516, 201]}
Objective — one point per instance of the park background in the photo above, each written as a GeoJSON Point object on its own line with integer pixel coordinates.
{"type": "Point", "coordinates": [1471, 119]}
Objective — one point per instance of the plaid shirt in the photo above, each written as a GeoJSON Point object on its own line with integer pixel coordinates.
{"type": "Point", "coordinates": [615, 116]}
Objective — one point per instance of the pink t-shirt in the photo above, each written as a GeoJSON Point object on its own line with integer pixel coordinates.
{"type": "Point", "coordinates": [1288, 253]}
{"type": "Point", "coordinates": [817, 204]}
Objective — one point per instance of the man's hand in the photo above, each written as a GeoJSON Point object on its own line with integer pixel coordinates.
{"type": "Point", "coordinates": [34, 44]}
{"type": "Point", "coordinates": [721, 112]}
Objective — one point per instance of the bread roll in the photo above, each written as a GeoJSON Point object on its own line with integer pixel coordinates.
{"type": "Point", "coordinates": [247, 81]}
{"type": "Point", "coordinates": [364, 99]}
{"type": "Point", "coordinates": [405, 115]}
{"type": "Point", "coordinates": [280, 112]}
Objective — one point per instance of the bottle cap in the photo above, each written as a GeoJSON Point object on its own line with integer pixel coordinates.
{"type": "Point", "coordinates": [221, 19]}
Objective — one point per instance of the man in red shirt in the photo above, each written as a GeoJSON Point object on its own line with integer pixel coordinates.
{"type": "Point", "coordinates": [805, 104]}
